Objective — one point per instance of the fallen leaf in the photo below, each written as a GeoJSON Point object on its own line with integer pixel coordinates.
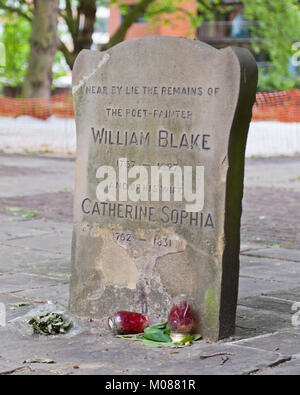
{"type": "Point", "coordinates": [19, 304]}
{"type": "Point", "coordinates": [39, 360]}
{"type": "Point", "coordinates": [30, 214]}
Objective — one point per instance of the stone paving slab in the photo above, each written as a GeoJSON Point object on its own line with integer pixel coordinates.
{"type": "Point", "coordinates": [15, 232]}
{"type": "Point", "coordinates": [284, 342]}
{"type": "Point", "coordinates": [59, 173]}
{"type": "Point", "coordinates": [292, 294]}
{"type": "Point", "coordinates": [251, 322]}
{"type": "Point", "coordinates": [56, 294]}
{"type": "Point", "coordinates": [275, 253]}
{"type": "Point", "coordinates": [273, 172]}
{"type": "Point", "coordinates": [14, 312]}
{"type": "Point", "coordinates": [279, 306]}
{"type": "Point", "coordinates": [104, 354]}
{"type": "Point", "coordinates": [253, 286]}
{"type": "Point", "coordinates": [20, 281]}
{"type": "Point", "coordinates": [16, 260]}
{"type": "Point", "coordinates": [26, 226]}
{"type": "Point", "coordinates": [290, 368]}
{"type": "Point", "coordinates": [15, 227]}
{"type": "Point", "coordinates": [270, 269]}
{"type": "Point", "coordinates": [8, 367]}
{"type": "Point", "coordinates": [246, 246]}
{"type": "Point", "coordinates": [60, 242]}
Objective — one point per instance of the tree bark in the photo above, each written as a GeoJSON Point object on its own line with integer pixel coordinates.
{"type": "Point", "coordinates": [43, 47]}
{"type": "Point", "coordinates": [82, 35]}
{"type": "Point", "coordinates": [87, 16]}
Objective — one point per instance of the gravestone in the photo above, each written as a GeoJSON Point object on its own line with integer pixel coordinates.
{"type": "Point", "coordinates": [146, 109]}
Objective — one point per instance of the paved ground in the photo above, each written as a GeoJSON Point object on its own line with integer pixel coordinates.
{"type": "Point", "coordinates": [35, 266]}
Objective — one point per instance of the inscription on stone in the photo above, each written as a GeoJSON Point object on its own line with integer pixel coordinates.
{"type": "Point", "coordinates": [161, 133]}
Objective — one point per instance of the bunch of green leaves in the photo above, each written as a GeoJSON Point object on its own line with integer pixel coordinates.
{"type": "Point", "coordinates": [50, 324]}
{"type": "Point", "coordinates": [158, 335]}
{"type": "Point", "coordinates": [15, 37]}
{"type": "Point", "coordinates": [16, 211]}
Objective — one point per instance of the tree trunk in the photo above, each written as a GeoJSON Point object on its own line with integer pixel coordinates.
{"type": "Point", "coordinates": [43, 47]}
{"type": "Point", "coordinates": [87, 13]}
{"type": "Point", "coordinates": [82, 32]}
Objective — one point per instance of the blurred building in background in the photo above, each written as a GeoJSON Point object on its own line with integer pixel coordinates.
{"type": "Point", "coordinates": [178, 23]}
{"type": "Point", "coordinates": [225, 29]}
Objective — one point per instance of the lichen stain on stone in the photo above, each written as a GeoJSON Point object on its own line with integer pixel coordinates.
{"type": "Point", "coordinates": [121, 272]}
{"type": "Point", "coordinates": [211, 308]}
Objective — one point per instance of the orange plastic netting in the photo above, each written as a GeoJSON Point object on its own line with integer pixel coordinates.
{"type": "Point", "coordinates": [281, 106]}
{"type": "Point", "coordinates": [59, 105]}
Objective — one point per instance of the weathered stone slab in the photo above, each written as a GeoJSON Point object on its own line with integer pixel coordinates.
{"type": "Point", "coordinates": [251, 322]}
{"type": "Point", "coordinates": [283, 272]}
{"type": "Point", "coordinates": [151, 102]}
{"type": "Point", "coordinates": [290, 368]}
{"type": "Point", "coordinates": [60, 244]}
{"type": "Point", "coordinates": [292, 294]}
{"type": "Point", "coordinates": [284, 342]}
{"type": "Point", "coordinates": [276, 253]}
{"type": "Point", "coordinates": [252, 286]}
{"type": "Point", "coordinates": [20, 281]}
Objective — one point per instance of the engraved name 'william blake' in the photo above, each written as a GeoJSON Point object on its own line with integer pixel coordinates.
{"type": "Point", "coordinates": [164, 139]}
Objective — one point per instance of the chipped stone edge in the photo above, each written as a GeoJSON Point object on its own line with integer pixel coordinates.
{"type": "Point", "coordinates": [85, 78]}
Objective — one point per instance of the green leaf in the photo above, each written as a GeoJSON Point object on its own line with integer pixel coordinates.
{"type": "Point", "coordinates": [156, 344]}
{"type": "Point", "coordinates": [19, 304]}
{"type": "Point", "coordinates": [160, 325]}
{"type": "Point", "coordinates": [157, 332]}
{"type": "Point", "coordinates": [130, 337]}
{"type": "Point", "coordinates": [39, 360]}
{"type": "Point", "coordinates": [196, 337]}
{"type": "Point", "coordinates": [30, 214]}
{"type": "Point", "coordinates": [275, 245]}
{"type": "Point", "coordinates": [14, 209]}
{"type": "Point", "coordinates": [187, 340]}
{"type": "Point", "coordinates": [157, 335]}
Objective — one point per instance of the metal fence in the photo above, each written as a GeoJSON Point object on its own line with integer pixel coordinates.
{"type": "Point", "coordinates": [47, 125]}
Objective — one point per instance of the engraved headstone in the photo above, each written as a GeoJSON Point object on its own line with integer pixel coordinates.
{"type": "Point", "coordinates": [161, 133]}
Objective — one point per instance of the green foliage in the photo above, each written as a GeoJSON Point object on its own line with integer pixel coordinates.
{"type": "Point", "coordinates": [274, 80]}
{"type": "Point", "coordinates": [159, 12]}
{"type": "Point", "coordinates": [15, 37]}
{"type": "Point", "coordinates": [275, 31]}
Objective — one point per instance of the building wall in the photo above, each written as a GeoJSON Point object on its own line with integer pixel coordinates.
{"type": "Point", "coordinates": [179, 24]}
